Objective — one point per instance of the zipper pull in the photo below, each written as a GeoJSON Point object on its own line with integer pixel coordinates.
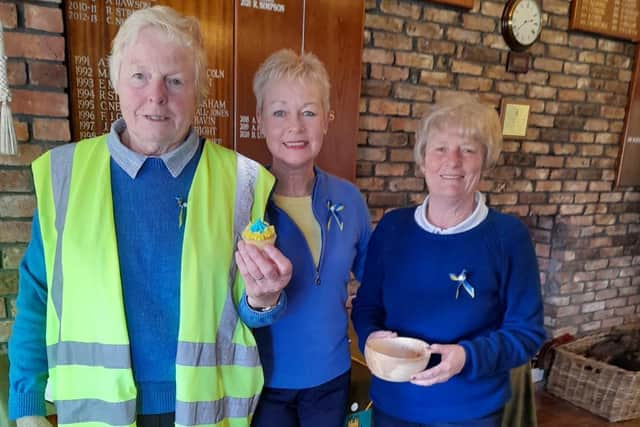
{"type": "Point", "coordinates": [317, 280]}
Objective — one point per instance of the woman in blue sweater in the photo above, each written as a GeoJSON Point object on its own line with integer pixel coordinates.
{"type": "Point", "coordinates": [323, 228]}
{"type": "Point", "coordinates": [455, 274]}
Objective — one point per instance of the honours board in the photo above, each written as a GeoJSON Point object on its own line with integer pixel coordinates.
{"type": "Point", "coordinates": [615, 18]}
{"type": "Point", "coordinates": [239, 35]}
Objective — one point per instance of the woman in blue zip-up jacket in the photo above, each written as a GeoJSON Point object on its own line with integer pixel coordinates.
{"type": "Point", "coordinates": [323, 228]}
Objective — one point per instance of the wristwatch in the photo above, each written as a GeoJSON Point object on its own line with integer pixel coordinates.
{"type": "Point", "coordinates": [262, 309]}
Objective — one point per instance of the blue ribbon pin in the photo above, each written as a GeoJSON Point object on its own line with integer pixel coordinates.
{"type": "Point", "coordinates": [462, 282]}
{"type": "Point", "coordinates": [334, 210]}
{"type": "Point", "coordinates": [182, 205]}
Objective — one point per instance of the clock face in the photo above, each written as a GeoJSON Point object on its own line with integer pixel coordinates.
{"type": "Point", "coordinates": [526, 22]}
{"type": "Point", "coordinates": [522, 23]}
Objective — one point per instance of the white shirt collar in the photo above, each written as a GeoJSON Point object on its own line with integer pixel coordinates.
{"type": "Point", "coordinates": [477, 216]}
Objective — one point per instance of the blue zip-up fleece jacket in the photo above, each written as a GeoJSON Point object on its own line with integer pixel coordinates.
{"type": "Point", "coordinates": [308, 345]}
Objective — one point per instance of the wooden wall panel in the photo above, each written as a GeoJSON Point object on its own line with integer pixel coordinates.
{"type": "Point", "coordinates": [333, 31]}
{"type": "Point", "coordinates": [629, 162]}
{"type": "Point", "coordinates": [239, 35]}
{"type": "Point", "coordinates": [258, 34]}
{"type": "Point", "coordinates": [214, 117]}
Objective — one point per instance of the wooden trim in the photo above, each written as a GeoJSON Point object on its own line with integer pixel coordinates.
{"type": "Point", "coordinates": [460, 3]}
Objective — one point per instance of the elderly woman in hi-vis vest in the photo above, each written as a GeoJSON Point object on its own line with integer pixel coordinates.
{"type": "Point", "coordinates": [130, 308]}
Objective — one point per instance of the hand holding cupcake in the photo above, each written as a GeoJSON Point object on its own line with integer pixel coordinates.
{"type": "Point", "coordinates": [265, 270]}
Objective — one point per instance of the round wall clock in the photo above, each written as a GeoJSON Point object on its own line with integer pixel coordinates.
{"type": "Point", "coordinates": [521, 23]}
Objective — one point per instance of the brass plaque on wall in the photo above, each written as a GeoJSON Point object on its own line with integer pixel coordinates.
{"type": "Point", "coordinates": [629, 163]}
{"type": "Point", "coordinates": [239, 35]}
{"type": "Point", "coordinates": [615, 18]}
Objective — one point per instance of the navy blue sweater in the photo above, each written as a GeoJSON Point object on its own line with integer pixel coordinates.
{"type": "Point", "coordinates": [407, 289]}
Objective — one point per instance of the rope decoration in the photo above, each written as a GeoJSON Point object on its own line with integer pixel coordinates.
{"type": "Point", "coordinates": [8, 144]}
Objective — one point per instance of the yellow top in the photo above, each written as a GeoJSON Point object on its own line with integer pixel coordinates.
{"type": "Point", "coordinates": [300, 211]}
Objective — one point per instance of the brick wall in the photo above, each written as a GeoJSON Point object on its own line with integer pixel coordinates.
{"type": "Point", "coordinates": [559, 179]}
{"type": "Point", "coordinates": [37, 74]}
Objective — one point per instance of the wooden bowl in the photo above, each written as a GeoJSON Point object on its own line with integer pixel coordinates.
{"type": "Point", "coordinates": [396, 359]}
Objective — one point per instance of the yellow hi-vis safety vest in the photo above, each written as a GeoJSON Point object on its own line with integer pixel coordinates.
{"type": "Point", "coordinates": [218, 371]}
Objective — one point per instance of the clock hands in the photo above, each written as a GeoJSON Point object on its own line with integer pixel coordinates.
{"type": "Point", "coordinates": [527, 21]}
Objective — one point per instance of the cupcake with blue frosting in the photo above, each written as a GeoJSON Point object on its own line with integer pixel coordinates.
{"type": "Point", "coordinates": [259, 233]}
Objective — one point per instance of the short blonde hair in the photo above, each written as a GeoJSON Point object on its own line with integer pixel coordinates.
{"type": "Point", "coordinates": [285, 64]}
{"type": "Point", "coordinates": [184, 30]}
{"type": "Point", "coordinates": [473, 119]}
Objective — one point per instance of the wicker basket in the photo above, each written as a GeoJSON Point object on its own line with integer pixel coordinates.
{"type": "Point", "coordinates": [605, 390]}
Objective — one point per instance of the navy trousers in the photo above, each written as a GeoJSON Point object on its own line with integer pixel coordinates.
{"type": "Point", "coordinates": [157, 420]}
{"type": "Point", "coordinates": [321, 406]}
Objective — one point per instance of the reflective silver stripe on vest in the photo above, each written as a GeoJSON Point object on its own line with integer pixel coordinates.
{"type": "Point", "coordinates": [200, 354]}
{"type": "Point", "coordinates": [247, 173]}
{"type": "Point", "coordinates": [89, 354]}
{"type": "Point", "coordinates": [196, 413]}
{"type": "Point", "coordinates": [61, 162]}
{"type": "Point", "coordinates": [94, 410]}
{"type": "Point", "coordinates": [245, 186]}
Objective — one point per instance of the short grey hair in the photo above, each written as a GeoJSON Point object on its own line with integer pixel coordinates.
{"type": "Point", "coordinates": [184, 30]}
{"type": "Point", "coordinates": [285, 64]}
{"type": "Point", "coordinates": [472, 119]}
